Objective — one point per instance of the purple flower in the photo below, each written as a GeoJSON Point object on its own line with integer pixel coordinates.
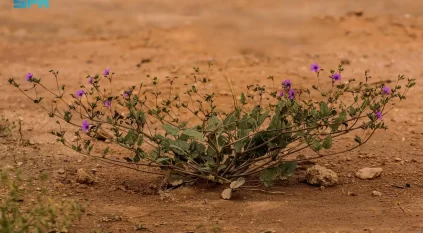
{"type": "Point", "coordinates": [378, 114]}
{"type": "Point", "coordinates": [260, 93]}
{"type": "Point", "coordinates": [336, 77]}
{"type": "Point", "coordinates": [281, 93]}
{"type": "Point", "coordinates": [107, 103]}
{"type": "Point", "coordinates": [315, 67]}
{"type": "Point", "coordinates": [28, 76]}
{"type": "Point", "coordinates": [106, 72]}
{"type": "Point", "coordinates": [291, 94]}
{"type": "Point", "coordinates": [386, 90]}
{"type": "Point", "coordinates": [287, 84]}
{"type": "Point", "coordinates": [90, 80]}
{"type": "Point", "coordinates": [85, 126]}
{"type": "Point", "coordinates": [80, 93]}
{"type": "Point", "coordinates": [126, 93]}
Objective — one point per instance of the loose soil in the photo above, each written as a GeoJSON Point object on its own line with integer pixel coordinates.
{"type": "Point", "coordinates": [247, 41]}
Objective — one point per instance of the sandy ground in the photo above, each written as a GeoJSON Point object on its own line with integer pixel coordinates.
{"type": "Point", "coordinates": [247, 40]}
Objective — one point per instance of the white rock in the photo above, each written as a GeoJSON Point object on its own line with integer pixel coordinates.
{"type": "Point", "coordinates": [369, 173]}
{"type": "Point", "coordinates": [61, 171]}
{"type": "Point", "coordinates": [322, 176]}
{"type": "Point", "coordinates": [376, 193]}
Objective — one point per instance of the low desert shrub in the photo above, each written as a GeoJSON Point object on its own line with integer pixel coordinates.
{"type": "Point", "coordinates": [20, 214]}
{"type": "Point", "coordinates": [265, 126]}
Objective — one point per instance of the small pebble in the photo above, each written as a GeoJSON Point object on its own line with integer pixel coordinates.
{"type": "Point", "coordinates": [61, 171]}
{"type": "Point", "coordinates": [376, 193]}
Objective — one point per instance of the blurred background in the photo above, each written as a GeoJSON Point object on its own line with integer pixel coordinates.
{"type": "Point", "coordinates": [245, 39]}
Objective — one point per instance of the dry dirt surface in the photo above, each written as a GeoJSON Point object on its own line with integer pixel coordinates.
{"type": "Point", "coordinates": [247, 41]}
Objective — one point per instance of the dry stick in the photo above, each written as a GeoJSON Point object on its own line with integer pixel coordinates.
{"type": "Point", "coordinates": [400, 207]}
{"type": "Point", "coordinates": [150, 172]}
{"type": "Point", "coordinates": [117, 164]}
{"type": "Point", "coordinates": [265, 191]}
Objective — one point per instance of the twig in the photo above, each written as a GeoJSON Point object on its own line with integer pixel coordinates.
{"type": "Point", "coordinates": [265, 191]}
{"type": "Point", "coordinates": [400, 207]}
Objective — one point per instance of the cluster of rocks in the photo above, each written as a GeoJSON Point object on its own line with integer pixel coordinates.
{"type": "Point", "coordinates": [322, 176]}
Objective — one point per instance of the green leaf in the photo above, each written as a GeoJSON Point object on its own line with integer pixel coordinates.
{"type": "Point", "coordinates": [162, 160]}
{"type": "Point", "coordinates": [137, 159]}
{"type": "Point", "coordinates": [327, 142]}
{"type": "Point", "coordinates": [243, 99]}
{"type": "Point", "coordinates": [352, 111]}
{"type": "Point", "coordinates": [213, 123]}
{"type": "Point", "coordinates": [335, 127]}
{"type": "Point", "coordinates": [342, 117]}
{"type": "Point", "coordinates": [238, 146]}
{"type": "Point", "coordinates": [230, 121]}
{"type": "Point", "coordinates": [179, 147]}
{"type": "Point", "coordinates": [365, 104]}
{"type": "Point", "coordinates": [262, 118]}
{"type": "Point", "coordinates": [357, 139]}
{"type": "Point", "coordinates": [276, 122]}
{"type": "Point", "coordinates": [316, 145]}
{"type": "Point", "coordinates": [131, 137]}
{"type": "Point", "coordinates": [211, 152]}
{"type": "Point", "coordinates": [140, 140]}
{"type": "Point", "coordinates": [153, 154]}
{"type": "Point", "coordinates": [221, 167]}
{"type": "Point", "coordinates": [268, 175]}
{"type": "Point", "coordinates": [178, 150]}
{"type": "Point", "coordinates": [286, 169]}
{"type": "Point", "coordinates": [170, 129]}
{"type": "Point", "coordinates": [324, 109]}
{"type": "Point", "coordinates": [194, 133]}
{"type": "Point", "coordinates": [106, 151]}
{"type": "Point", "coordinates": [196, 149]}
{"type": "Point", "coordinates": [67, 116]}
{"type": "Point", "coordinates": [183, 124]}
